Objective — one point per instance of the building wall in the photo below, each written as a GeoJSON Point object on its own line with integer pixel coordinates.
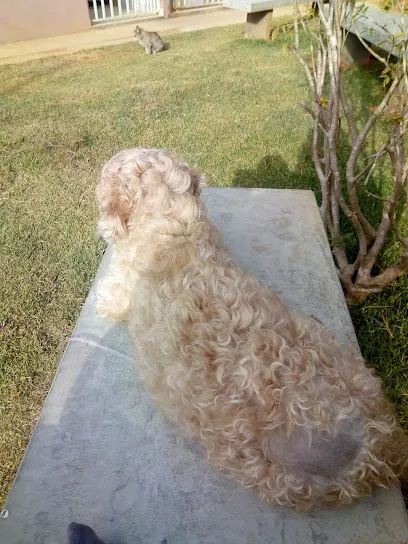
{"type": "Point", "coordinates": [28, 19]}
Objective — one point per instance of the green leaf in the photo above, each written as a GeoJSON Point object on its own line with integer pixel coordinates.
{"type": "Point", "coordinates": [381, 43]}
{"type": "Point", "coordinates": [397, 116]}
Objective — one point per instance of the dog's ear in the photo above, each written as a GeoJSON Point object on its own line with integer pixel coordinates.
{"type": "Point", "coordinates": [118, 193]}
{"type": "Point", "coordinates": [179, 176]}
{"type": "Point", "coordinates": [199, 181]}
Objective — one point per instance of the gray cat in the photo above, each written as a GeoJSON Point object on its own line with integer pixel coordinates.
{"type": "Point", "coordinates": [150, 41]}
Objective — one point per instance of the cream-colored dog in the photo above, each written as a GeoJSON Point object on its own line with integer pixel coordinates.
{"type": "Point", "coordinates": [272, 396]}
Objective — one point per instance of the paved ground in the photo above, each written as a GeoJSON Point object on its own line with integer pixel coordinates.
{"type": "Point", "coordinates": [100, 36]}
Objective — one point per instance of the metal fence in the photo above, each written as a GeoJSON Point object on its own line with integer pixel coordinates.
{"type": "Point", "coordinates": [108, 10]}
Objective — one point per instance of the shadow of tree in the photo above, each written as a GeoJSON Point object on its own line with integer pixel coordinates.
{"type": "Point", "coordinates": [273, 171]}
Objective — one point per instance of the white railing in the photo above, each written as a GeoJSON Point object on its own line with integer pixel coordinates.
{"type": "Point", "coordinates": [107, 10]}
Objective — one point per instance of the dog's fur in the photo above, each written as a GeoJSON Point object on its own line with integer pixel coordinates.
{"type": "Point", "coordinates": [272, 396]}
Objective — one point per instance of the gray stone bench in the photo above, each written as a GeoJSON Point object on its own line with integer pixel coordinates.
{"type": "Point", "coordinates": [259, 15]}
{"type": "Point", "coordinates": [103, 455]}
{"type": "Point", "coordinates": [371, 27]}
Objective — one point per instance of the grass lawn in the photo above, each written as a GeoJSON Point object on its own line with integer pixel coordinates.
{"type": "Point", "coordinates": [229, 105]}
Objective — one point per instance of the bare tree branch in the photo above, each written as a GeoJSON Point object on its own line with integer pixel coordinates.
{"type": "Point", "coordinates": [339, 188]}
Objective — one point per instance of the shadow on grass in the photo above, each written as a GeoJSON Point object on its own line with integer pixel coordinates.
{"type": "Point", "coordinates": [273, 172]}
{"type": "Point", "coordinates": [31, 77]}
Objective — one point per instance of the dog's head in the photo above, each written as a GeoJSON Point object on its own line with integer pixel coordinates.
{"type": "Point", "coordinates": [138, 185]}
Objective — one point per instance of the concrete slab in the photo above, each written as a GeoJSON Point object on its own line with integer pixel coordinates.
{"type": "Point", "coordinates": [376, 27]}
{"type": "Point", "coordinates": [254, 6]}
{"type": "Point", "coordinates": [102, 454]}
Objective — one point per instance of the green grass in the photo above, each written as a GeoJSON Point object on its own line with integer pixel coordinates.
{"type": "Point", "coordinates": [229, 105]}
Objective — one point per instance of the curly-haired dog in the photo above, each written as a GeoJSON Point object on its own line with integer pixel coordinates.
{"type": "Point", "coordinates": [272, 396]}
